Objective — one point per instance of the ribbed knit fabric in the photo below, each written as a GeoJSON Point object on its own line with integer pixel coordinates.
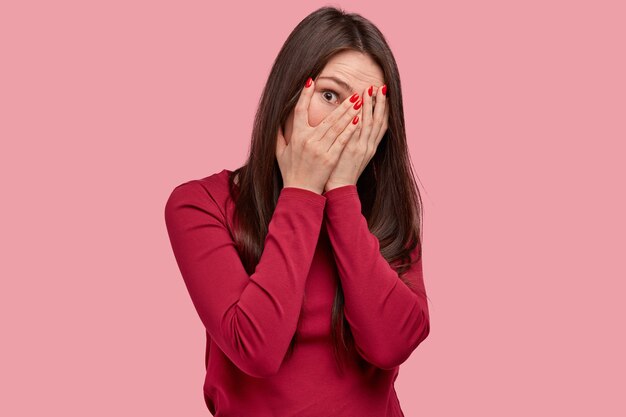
{"type": "Point", "coordinates": [314, 242]}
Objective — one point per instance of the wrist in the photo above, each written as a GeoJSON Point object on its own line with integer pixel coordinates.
{"type": "Point", "coordinates": [332, 186]}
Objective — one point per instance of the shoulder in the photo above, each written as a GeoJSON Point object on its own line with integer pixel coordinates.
{"type": "Point", "coordinates": [210, 192]}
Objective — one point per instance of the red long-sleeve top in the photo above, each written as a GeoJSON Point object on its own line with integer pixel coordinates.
{"type": "Point", "coordinates": [313, 241]}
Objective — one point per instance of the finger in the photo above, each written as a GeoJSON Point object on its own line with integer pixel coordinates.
{"type": "Point", "coordinates": [384, 126]}
{"type": "Point", "coordinates": [359, 127]}
{"type": "Point", "coordinates": [331, 132]}
{"type": "Point", "coordinates": [301, 111]}
{"type": "Point", "coordinates": [344, 137]}
{"type": "Point", "coordinates": [367, 113]}
{"type": "Point", "coordinates": [281, 144]}
{"type": "Point", "coordinates": [379, 111]}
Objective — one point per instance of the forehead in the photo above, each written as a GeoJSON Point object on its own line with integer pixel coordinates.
{"type": "Point", "coordinates": [353, 71]}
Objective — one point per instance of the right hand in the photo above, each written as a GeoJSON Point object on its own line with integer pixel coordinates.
{"type": "Point", "coordinates": [312, 153]}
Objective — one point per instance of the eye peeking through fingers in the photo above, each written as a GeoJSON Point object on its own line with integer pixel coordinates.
{"type": "Point", "coordinates": [326, 93]}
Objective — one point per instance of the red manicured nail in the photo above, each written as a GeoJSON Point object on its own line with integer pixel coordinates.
{"type": "Point", "coordinates": [385, 90]}
{"type": "Point", "coordinates": [354, 97]}
{"type": "Point", "coordinates": [369, 91]}
{"type": "Point", "coordinates": [358, 104]}
{"type": "Point", "coordinates": [355, 120]}
{"type": "Point", "coordinates": [309, 81]}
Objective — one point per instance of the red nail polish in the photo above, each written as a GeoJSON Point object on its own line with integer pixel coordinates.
{"type": "Point", "coordinates": [355, 120]}
{"type": "Point", "coordinates": [385, 90]}
{"type": "Point", "coordinates": [369, 91]}
{"type": "Point", "coordinates": [309, 81]}
{"type": "Point", "coordinates": [358, 104]}
{"type": "Point", "coordinates": [354, 97]}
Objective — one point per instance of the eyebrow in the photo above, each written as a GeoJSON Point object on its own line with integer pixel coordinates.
{"type": "Point", "coordinates": [339, 81]}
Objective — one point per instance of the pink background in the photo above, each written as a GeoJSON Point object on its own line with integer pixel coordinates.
{"type": "Point", "coordinates": [516, 120]}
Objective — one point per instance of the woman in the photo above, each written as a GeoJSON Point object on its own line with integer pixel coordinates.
{"type": "Point", "coordinates": [304, 264]}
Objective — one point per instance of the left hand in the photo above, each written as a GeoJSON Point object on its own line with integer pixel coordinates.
{"type": "Point", "coordinates": [361, 147]}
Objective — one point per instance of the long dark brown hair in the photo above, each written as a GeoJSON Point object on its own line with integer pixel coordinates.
{"type": "Point", "coordinates": [390, 199]}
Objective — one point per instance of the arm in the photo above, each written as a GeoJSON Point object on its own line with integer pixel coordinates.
{"type": "Point", "coordinates": [388, 320]}
{"type": "Point", "coordinates": [252, 318]}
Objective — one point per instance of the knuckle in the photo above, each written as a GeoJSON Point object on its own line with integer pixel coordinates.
{"type": "Point", "coordinates": [356, 150]}
{"type": "Point", "coordinates": [308, 145]}
{"type": "Point", "coordinates": [336, 129]}
{"type": "Point", "coordinates": [326, 160]}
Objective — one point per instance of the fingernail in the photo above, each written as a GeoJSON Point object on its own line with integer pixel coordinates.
{"type": "Point", "coordinates": [369, 91]}
{"type": "Point", "coordinates": [384, 90]}
{"type": "Point", "coordinates": [358, 104]}
{"type": "Point", "coordinates": [354, 97]}
{"type": "Point", "coordinates": [309, 81]}
{"type": "Point", "coordinates": [355, 120]}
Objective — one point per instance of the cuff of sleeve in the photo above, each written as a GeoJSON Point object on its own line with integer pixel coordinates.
{"type": "Point", "coordinates": [302, 194]}
{"type": "Point", "coordinates": [341, 192]}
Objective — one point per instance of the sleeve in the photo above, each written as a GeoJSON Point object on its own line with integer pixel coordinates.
{"type": "Point", "coordinates": [252, 318]}
{"type": "Point", "coordinates": [387, 318]}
